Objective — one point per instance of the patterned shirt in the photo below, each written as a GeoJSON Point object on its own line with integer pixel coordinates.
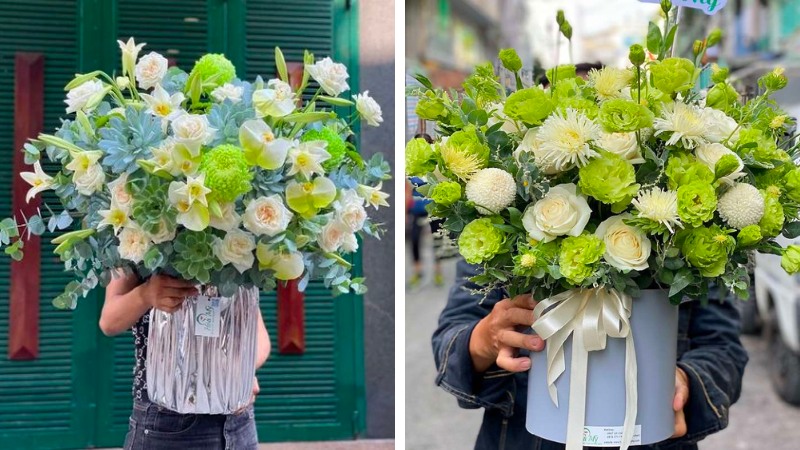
{"type": "Point", "coordinates": [140, 331]}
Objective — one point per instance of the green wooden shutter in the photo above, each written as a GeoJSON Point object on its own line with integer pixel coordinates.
{"type": "Point", "coordinates": [40, 400]}
{"type": "Point", "coordinates": [317, 395]}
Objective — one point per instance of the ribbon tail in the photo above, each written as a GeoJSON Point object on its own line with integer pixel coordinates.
{"type": "Point", "coordinates": [577, 392]}
{"type": "Point", "coordinates": [631, 393]}
{"type": "Point", "coordinates": [556, 363]}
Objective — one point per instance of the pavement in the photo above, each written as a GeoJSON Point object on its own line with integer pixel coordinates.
{"type": "Point", "coordinates": [760, 420]}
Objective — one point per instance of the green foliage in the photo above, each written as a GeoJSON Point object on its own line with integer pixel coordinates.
{"type": "Point", "coordinates": [150, 205]}
{"type": "Point", "coordinates": [194, 256]}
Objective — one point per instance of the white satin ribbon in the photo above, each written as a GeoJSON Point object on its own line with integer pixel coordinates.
{"type": "Point", "coordinates": [590, 315]}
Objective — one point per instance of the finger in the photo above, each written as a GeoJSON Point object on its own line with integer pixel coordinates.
{"type": "Point", "coordinates": [508, 361]}
{"type": "Point", "coordinates": [181, 293]}
{"type": "Point", "coordinates": [680, 424]}
{"type": "Point", "coordinates": [681, 395]}
{"type": "Point", "coordinates": [177, 282]}
{"type": "Point", "coordinates": [524, 301]}
{"type": "Point", "coordinates": [515, 339]}
{"type": "Point", "coordinates": [517, 316]}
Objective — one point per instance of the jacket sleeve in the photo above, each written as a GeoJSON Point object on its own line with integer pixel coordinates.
{"type": "Point", "coordinates": [714, 364]}
{"type": "Point", "coordinates": [493, 389]}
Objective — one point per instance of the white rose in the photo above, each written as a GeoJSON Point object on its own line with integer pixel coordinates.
{"type": "Point", "coordinates": [331, 76]}
{"type": "Point", "coordinates": [120, 194]}
{"type": "Point", "coordinates": [81, 97]}
{"type": "Point", "coordinates": [230, 218]}
{"type": "Point", "coordinates": [627, 247]}
{"type": "Point", "coordinates": [89, 181]}
{"type": "Point", "coordinates": [288, 266]}
{"type": "Point", "coordinates": [350, 210]}
{"type": "Point", "coordinates": [710, 154]}
{"type": "Point", "coordinates": [236, 248]}
{"type": "Point", "coordinates": [350, 244]}
{"type": "Point", "coordinates": [719, 126]}
{"type": "Point", "coordinates": [267, 216]}
{"type": "Point", "coordinates": [228, 91]}
{"type": "Point", "coordinates": [332, 236]}
{"type": "Point", "coordinates": [369, 109]}
{"type": "Point", "coordinates": [150, 70]}
{"type": "Point", "coordinates": [560, 212]}
{"type": "Point", "coordinates": [133, 244]}
{"type": "Point", "coordinates": [622, 144]}
{"type": "Point", "coordinates": [165, 233]}
{"type": "Point", "coordinates": [192, 131]}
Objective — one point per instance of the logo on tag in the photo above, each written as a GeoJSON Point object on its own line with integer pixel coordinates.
{"type": "Point", "coordinates": [207, 316]}
{"type": "Point", "coordinates": [609, 436]}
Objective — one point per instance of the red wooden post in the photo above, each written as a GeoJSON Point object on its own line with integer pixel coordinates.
{"type": "Point", "coordinates": [291, 318]}
{"type": "Point", "coordinates": [23, 330]}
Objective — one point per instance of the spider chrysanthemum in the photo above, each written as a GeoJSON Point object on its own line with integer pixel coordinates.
{"type": "Point", "coordinates": [686, 124]}
{"type": "Point", "coordinates": [565, 140]}
{"type": "Point", "coordinates": [659, 206]}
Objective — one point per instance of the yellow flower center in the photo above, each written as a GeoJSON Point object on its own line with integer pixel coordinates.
{"type": "Point", "coordinates": [182, 206]}
{"type": "Point", "coordinates": [720, 238]}
{"type": "Point", "coordinates": [162, 109]}
{"type": "Point", "coordinates": [269, 137]}
{"type": "Point", "coordinates": [308, 187]}
{"type": "Point", "coordinates": [527, 260]}
{"type": "Point", "coordinates": [195, 190]}
{"type": "Point", "coordinates": [38, 182]}
{"type": "Point", "coordinates": [303, 160]}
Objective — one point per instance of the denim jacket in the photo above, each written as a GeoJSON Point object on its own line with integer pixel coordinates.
{"type": "Point", "coordinates": [709, 351]}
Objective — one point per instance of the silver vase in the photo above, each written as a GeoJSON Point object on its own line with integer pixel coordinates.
{"type": "Point", "coordinates": [201, 358]}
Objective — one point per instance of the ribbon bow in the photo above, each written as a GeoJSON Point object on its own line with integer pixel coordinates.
{"type": "Point", "coordinates": [590, 315]}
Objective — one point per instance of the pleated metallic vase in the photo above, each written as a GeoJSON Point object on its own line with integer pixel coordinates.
{"type": "Point", "coordinates": [189, 371]}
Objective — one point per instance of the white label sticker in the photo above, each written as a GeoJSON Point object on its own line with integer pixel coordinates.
{"type": "Point", "coordinates": [609, 436]}
{"type": "Point", "coordinates": [206, 318]}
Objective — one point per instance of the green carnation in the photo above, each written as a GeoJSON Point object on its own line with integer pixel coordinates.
{"type": "Point", "coordinates": [214, 68]}
{"type": "Point", "coordinates": [749, 236]}
{"type": "Point", "coordinates": [583, 105]}
{"type": "Point", "coordinates": [446, 193]}
{"type": "Point", "coordinates": [696, 203]}
{"type": "Point", "coordinates": [510, 59]}
{"type": "Point", "coordinates": [533, 260]}
{"type": "Point", "coordinates": [772, 222]}
{"type": "Point", "coordinates": [683, 168]}
{"type": "Point", "coordinates": [790, 259]}
{"type": "Point", "coordinates": [227, 172]}
{"type": "Point", "coordinates": [561, 73]}
{"type": "Point", "coordinates": [531, 105]}
{"type": "Point", "coordinates": [420, 157]}
{"type": "Point", "coordinates": [609, 178]}
{"type": "Point", "coordinates": [722, 97]}
{"type": "Point", "coordinates": [579, 257]}
{"type": "Point", "coordinates": [480, 241]}
{"type": "Point", "coordinates": [673, 75]}
{"type": "Point", "coordinates": [336, 146]}
{"type": "Point", "coordinates": [620, 115]}
{"type": "Point", "coordinates": [791, 184]}
{"type": "Point", "coordinates": [707, 249]}
{"type": "Point", "coordinates": [431, 107]}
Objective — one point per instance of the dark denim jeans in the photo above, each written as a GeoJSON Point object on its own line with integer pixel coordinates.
{"type": "Point", "coordinates": [155, 428]}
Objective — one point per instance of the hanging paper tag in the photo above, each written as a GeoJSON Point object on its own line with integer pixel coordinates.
{"type": "Point", "coordinates": [206, 319]}
{"type": "Point", "coordinates": [709, 7]}
{"type": "Point", "coordinates": [609, 436]}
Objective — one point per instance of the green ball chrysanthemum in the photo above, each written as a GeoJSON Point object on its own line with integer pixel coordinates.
{"type": "Point", "coordinates": [215, 65]}
{"type": "Point", "coordinates": [227, 172]}
{"type": "Point", "coordinates": [336, 146]}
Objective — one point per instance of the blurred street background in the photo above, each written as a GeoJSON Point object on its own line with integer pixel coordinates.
{"type": "Point", "coordinates": [446, 38]}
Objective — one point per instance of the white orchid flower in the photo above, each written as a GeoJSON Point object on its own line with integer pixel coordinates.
{"type": "Point", "coordinates": [373, 195]}
{"type": "Point", "coordinates": [38, 180]}
{"type": "Point", "coordinates": [161, 104]}
{"type": "Point", "coordinates": [115, 216]}
{"type": "Point", "coordinates": [192, 191]}
{"type": "Point", "coordinates": [261, 147]}
{"type": "Point", "coordinates": [277, 100]}
{"type": "Point", "coordinates": [307, 158]}
{"type": "Point", "coordinates": [83, 161]}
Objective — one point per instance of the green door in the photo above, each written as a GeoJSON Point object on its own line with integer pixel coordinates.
{"type": "Point", "coordinates": [78, 392]}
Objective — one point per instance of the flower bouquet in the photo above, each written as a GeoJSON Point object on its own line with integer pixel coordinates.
{"type": "Point", "coordinates": [607, 197]}
{"type": "Point", "coordinates": [202, 176]}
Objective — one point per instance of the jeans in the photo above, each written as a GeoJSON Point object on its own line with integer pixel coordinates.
{"type": "Point", "coordinates": [153, 427]}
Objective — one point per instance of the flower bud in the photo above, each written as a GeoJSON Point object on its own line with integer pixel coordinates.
{"type": "Point", "coordinates": [666, 5]}
{"type": "Point", "coordinates": [714, 37]}
{"type": "Point", "coordinates": [510, 59]}
{"type": "Point", "coordinates": [122, 82]}
{"type": "Point", "coordinates": [560, 17]}
{"type": "Point", "coordinates": [774, 81]}
{"type": "Point", "coordinates": [719, 74]}
{"type": "Point", "coordinates": [697, 48]}
{"type": "Point", "coordinates": [636, 55]}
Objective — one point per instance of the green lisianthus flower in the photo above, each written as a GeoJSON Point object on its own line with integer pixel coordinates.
{"type": "Point", "coordinates": [791, 184]}
{"type": "Point", "coordinates": [561, 73]}
{"type": "Point", "coordinates": [215, 68]}
{"type": "Point", "coordinates": [696, 203]}
{"type": "Point", "coordinates": [531, 105]}
{"type": "Point", "coordinates": [707, 249]}
{"type": "Point", "coordinates": [480, 241]}
{"type": "Point", "coordinates": [620, 115]}
{"type": "Point", "coordinates": [431, 107]}
{"type": "Point", "coordinates": [420, 157]}
{"type": "Point", "coordinates": [749, 236]}
{"type": "Point", "coordinates": [227, 173]}
{"type": "Point", "coordinates": [722, 97]}
{"type": "Point", "coordinates": [583, 105]}
{"type": "Point", "coordinates": [336, 146]}
{"type": "Point", "coordinates": [579, 257]}
{"type": "Point", "coordinates": [446, 193]}
{"type": "Point", "coordinates": [673, 75]}
{"type": "Point", "coordinates": [608, 178]}
{"type": "Point", "coordinates": [683, 168]}
{"type": "Point", "coordinates": [772, 222]}
{"type": "Point", "coordinates": [464, 153]}
{"type": "Point", "coordinates": [790, 259]}
{"type": "Point", "coordinates": [533, 260]}
{"type": "Point", "coordinates": [510, 59]}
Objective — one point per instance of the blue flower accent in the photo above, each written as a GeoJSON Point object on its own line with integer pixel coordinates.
{"type": "Point", "coordinates": [226, 118]}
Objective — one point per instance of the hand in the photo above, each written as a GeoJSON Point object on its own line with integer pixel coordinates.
{"type": "Point", "coordinates": [166, 293]}
{"type": "Point", "coordinates": [678, 403]}
{"type": "Point", "coordinates": [256, 390]}
{"type": "Point", "coordinates": [497, 336]}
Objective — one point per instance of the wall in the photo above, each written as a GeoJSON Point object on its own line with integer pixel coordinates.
{"type": "Point", "coordinates": [376, 50]}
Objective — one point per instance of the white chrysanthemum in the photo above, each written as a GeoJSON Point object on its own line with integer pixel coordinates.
{"type": "Point", "coordinates": [710, 154]}
{"type": "Point", "coordinates": [719, 126]}
{"type": "Point", "coordinates": [659, 206]}
{"type": "Point", "coordinates": [685, 122]}
{"type": "Point", "coordinates": [623, 144]}
{"type": "Point", "coordinates": [741, 206]}
{"type": "Point", "coordinates": [492, 190]}
{"type": "Point", "coordinates": [564, 140]}
{"type": "Point", "coordinates": [609, 82]}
